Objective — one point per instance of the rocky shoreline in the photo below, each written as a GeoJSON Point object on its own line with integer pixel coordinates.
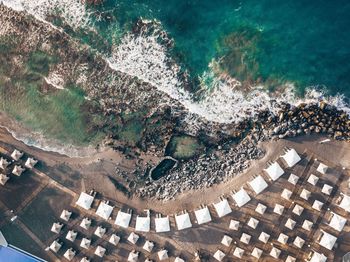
{"type": "Point", "coordinates": [125, 104]}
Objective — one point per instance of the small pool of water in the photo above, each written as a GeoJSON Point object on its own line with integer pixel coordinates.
{"type": "Point", "coordinates": [162, 168]}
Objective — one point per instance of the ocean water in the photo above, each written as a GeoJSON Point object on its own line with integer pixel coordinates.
{"type": "Point", "coordinates": [265, 41]}
{"type": "Point", "coordinates": [236, 52]}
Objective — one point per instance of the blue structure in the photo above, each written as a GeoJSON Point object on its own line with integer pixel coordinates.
{"type": "Point", "coordinates": [9, 253]}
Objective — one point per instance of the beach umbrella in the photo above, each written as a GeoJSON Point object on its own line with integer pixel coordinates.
{"type": "Point", "coordinates": [100, 231]}
{"type": "Point", "coordinates": [317, 257]}
{"type": "Point", "coordinates": [123, 219]}
{"type": "Point", "coordinates": [85, 200]}
{"type": "Point", "coordinates": [327, 240]}
{"type": "Point", "coordinates": [290, 223]}
{"type": "Point", "coordinates": [257, 252]}
{"type": "Point", "coordinates": [163, 254]}
{"type": "Point", "coordinates": [222, 208]}
{"type": "Point", "coordinates": [291, 259]}
{"type": "Point", "coordinates": [307, 225]}
{"type": "Point", "coordinates": [148, 246]}
{"type": "Point", "coordinates": [322, 168]}
{"type": "Point", "coordinates": [18, 170]}
{"type": "Point", "coordinates": [234, 224]}
{"type": "Point", "coordinates": [298, 209]}
{"type": "Point", "coordinates": [85, 259]}
{"type": "Point", "coordinates": [226, 240]}
{"type": "Point", "coordinates": [16, 155]}
{"type": "Point", "coordinates": [298, 242]}
{"type": "Point", "coordinates": [114, 239]}
{"type": "Point", "coordinates": [3, 179]}
{"type": "Point", "coordinates": [274, 171]}
{"type": "Point", "coordinates": [30, 163]}
{"type": "Point", "coordinates": [104, 210]}
{"type": "Point", "coordinates": [55, 246]}
{"type": "Point", "coordinates": [162, 224]}
{"type": "Point", "coordinates": [85, 243]}
{"type": "Point", "coordinates": [133, 238]}
{"type": "Point", "coordinates": [345, 203]}
{"type": "Point", "coordinates": [71, 235]}
{"type": "Point", "coordinates": [337, 222]}
{"type": "Point", "coordinates": [3, 163]}
{"type": "Point", "coordinates": [305, 194]}
{"type": "Point", "coordinates": [282, 238]}
{"type": "Point", "coordinates": [56, 227]}
{"type": "Point", "coordinates": [178, 259]}
{"type": "Point", "coordinates": [293, 179]}
{"type": "Point", "coordinates": [312, 179]}
{"type": "Point", "coordinates": [327, 189]}
{"type": "Point", "coordinates": [202, 215]}
{"type": "Point", "coordinates": [260, 208]}
{"type": "Point", "coordinates": [65, 215]}
{"type": "Point", "coordinates": [183, 221]}
{"type": "Point", "coordinates": [133, 256]}
{"type": "Point", "coordinates": [100, 251]}
{"type": "Point", "coordinates": [264, 237]}
{"type": "Point", "coordinates": [258, 184]}
{"type": "Point", "coordinates": [253, 223]}
{"type": "Point", "coordinates": [245, 238]}
{"type": "Point", "coordinates": [278, 209]}
{"type": "Point", "coordinates": [238, 252]}
{"type": "Point", "coordinates": [219, 255]}
{"type": "Point", "coordinates": [143, 224]}
{"type": "Point", "coordinates": [69, 254]}
{"type": "Point", "coordinates": [85, 223]}
{"type": "Point", "coordinates": [286, 194]}
{"type": "Point", "coordinates": [317, 205]}
{"type": "Point", "coordinates": [291, 157]}
{"type": "Point", "coordinates": [275, 252]}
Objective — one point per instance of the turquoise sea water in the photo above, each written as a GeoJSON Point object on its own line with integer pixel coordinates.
{"type": "Point", "coordinates": [303, 41]}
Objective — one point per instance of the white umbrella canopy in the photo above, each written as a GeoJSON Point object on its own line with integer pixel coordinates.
{"type": "Point", "coordinates": [258, 184]}
{"type": "Point", "coordinates": [298, 210]}
{"type": "Point", "coordinates": [322, 168]}
{"type": "Point", "coordinates": [327, 189]}
{"type": "Point", "coordinates": [85, 223]}
{"type": "Point", "coordinates": [290, 223]}
{"type": "Point", "coordinates": [307, 225]}
{"type": "Point", "coordinates": [178, 259]}
{"type": "Point", "coordinates": [291, 259]}
{"type": "Point", "coordinates": [85, 259]}
{"type": "Point", "coordinates": [104, 210]}
{"type": "Point", "coordinates": [3, 179]}
{"type": "Point", "coordinates": [55, 246]}
{"type": "Point", "coordinates": [123, 219]}
{"type": "Point", "coordinates": [222, 208]}
{"type": "Point", "coordinates": [327, 240]}
{"type": "Point", "coordinates": [245, 238]}
{"type": "Point", "coordinates": [56, 227]}
{"type": "Point", "coordinates": [143, 224]}
{"type": "Point", "coordinates": [202, 215]}
{"type": "Point", "coordinates": [162, 224]}
{"type": "Point", "coordinates": [100, 251]}
{"type": "Point", "coordinates": [219, 255]}
{"type": "Point", "coordinates": [298, 242]}
{"type": "Point", "coordinates": [317, 205]}
{"type": "Point", "coordinates": [238, 252]}
{"type": "Point", "coordinates": [71, 235]}
{"type": "Point", "coordinates": [85, 200]}
{"type": "Point", "coordinates": [337, 222]}
{"type": "Point", "coordinates": [100, 231]}
{"type": "Point", "coordinates": [313, 179]}
{"type": "Point", "coordinates": [345, 203]}
{"type": "Point", "coordinates": [241, 197]}
{"type": "Point", "coordinates": [85, 243]}
{"type": "Point", "coordinates": [30, 163]}
{"type": "Point", "coordinates": [133, 238]}
{"type": "Point", "coordinates": [148, 246]}
{"type": "Point", "coordinates": [260, 208]}
{"type": "Point", "coordinates": [3, 163]}
{"type": "Point", "coordinates": [253, 223]}
{"type": "Point", "coordinates": [291, 157]}
{"type": "Point", "coordinates": [183, 221]}
{"type": "Point", "coordinates": [234, 224]}
{"type": "Point", "coordinates": [163, 255]}
{"type": "Point", "coordinates": [133, 256]}
{"type": "Point", "coordinates": [264, 237]}
{"type": "Point", "coordinates": [257, 252]}
{"type": "Point", "coordinates": [318, 257]}
{"type": "Point", "coordinates": [65, 215]}
{"type": "Point", "coordinates": [226, 240]}
{"type": "Point", "coordinates": [278, 209]}
{"type": "Point", "coordinates": [282, 238]}
{"type": "Point", "coordinates": [16, 154]}
{"type": "Point", "coordinates": [114, 239]}
{"type": "Point", "coordinates": [69, 254]}
{"type": "Point", "coordinates": [286, 194]}
{"type": "Point", "coordinates": [275, 252]}
{"type": "Point", "coordinates": [293, 179]}
{"type": "Point", "coordinates": [305, 194]}
{"type": "Point", "coordinates": [274, 171]}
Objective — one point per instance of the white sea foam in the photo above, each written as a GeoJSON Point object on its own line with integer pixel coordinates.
{"type": "Point", "coordinates": [72, 11]}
